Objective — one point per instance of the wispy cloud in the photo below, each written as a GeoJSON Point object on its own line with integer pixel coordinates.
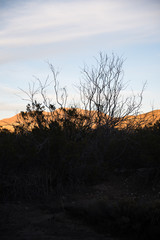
{"type": "Point", "coordinates": [9, 107]}
{"type": "Point", "coordinates": [37, 29]}
{"type": "Point", "coordinates": [8, 90]}
{"type": "Point", "coordinates": [33, 23]}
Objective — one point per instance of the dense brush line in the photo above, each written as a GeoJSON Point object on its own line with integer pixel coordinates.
{"type": "Point", "coordinates": [33, 163]}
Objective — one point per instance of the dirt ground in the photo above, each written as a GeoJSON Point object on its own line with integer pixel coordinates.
{"type": "Point", "coordinates": [27, 222]}
{"type": "Point", "coordinates": [49, 220]}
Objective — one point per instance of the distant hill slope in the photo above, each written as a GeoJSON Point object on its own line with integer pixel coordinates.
{"type": "Point", "coordinates": [8, 122]}
{"type": "Point", "coordinates": [141, 119]}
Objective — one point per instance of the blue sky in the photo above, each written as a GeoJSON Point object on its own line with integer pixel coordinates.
{"type": "Point", "coordinates": [70, 33]}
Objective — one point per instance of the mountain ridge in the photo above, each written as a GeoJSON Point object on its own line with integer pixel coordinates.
{"type": "Point", "coordinates": [150, 117]}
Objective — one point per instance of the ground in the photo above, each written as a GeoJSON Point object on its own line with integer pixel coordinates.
{"type": "Point", "coordinates": [53, 219]}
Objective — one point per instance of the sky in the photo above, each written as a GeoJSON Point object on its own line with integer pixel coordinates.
{"type": "Point", "coordinates": [69, 34]}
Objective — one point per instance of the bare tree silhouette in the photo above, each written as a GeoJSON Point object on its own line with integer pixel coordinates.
{"type": "Point", "coordinates": [101, 90]}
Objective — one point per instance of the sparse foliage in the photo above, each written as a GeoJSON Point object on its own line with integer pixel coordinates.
{"type": "Point", "coordinates": [53, 148]}
{"type": "Point", "coordinates": [101, 90]}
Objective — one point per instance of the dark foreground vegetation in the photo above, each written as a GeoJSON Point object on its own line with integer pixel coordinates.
{"type": "Point", "coordinates": [106, 177]}
{"type": "Point", "coordinates": [65, 157]}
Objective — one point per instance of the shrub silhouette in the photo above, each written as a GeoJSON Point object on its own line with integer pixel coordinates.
{"type": "Point", "coordinates": [34, 163]}
{"type": "Point", "coordinates": [67, 146]}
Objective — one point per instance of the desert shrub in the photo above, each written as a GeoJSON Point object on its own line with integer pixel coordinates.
{"type": "Point", "coordinates": [68, 153]}
{"type": "Point", "coordinates": [137, 149]}
{"type": "Point", "coordinates": [124, 218]}
{"type": "Point", "coordinates": [37, 161]}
